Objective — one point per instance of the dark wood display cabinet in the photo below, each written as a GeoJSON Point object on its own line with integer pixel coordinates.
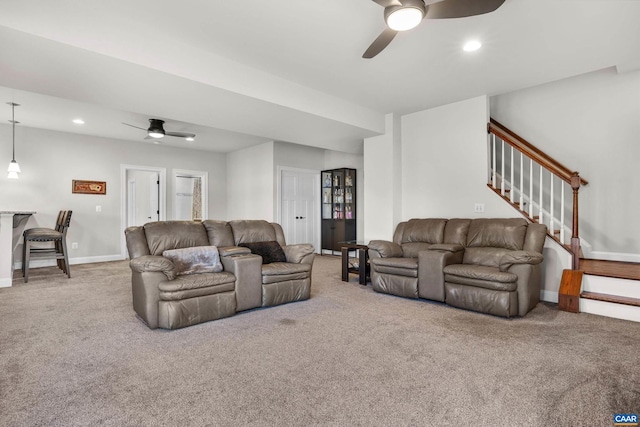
{"type": "Point", "coordinates": [338, 192]}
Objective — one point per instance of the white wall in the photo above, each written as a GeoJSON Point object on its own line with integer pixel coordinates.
{"type": "Point", "coordinates": [591, 124]}
{"type": "Point", "coordinates": [382, 191]}
{"type": "Point", "coordinates": [51, 160]}
{"type": "Point", "coordinates": [444, 163]}
{"type": "Point", "coordinates": [250, 183]}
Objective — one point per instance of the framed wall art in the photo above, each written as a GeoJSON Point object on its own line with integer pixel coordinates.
{"type": "Point", "coordinates": [89, 187]}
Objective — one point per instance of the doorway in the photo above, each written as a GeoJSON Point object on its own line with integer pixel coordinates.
{"type": "Point", "coordinates": [190, 195]}
{"type": "Point", "coordinates": [299, 205]}
{"type": "Point", "coordinates": [143, 200]}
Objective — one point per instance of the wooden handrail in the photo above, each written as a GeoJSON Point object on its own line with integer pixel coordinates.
{"type": "Point", "coordinates": [534, 153]}
{"type": "Point", "coordinates": [556, 168]}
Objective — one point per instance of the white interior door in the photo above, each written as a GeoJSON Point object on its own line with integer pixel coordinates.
{"type": "Point", "coordinates": [154, 197]}
{"type": "Point", "coordinates": [143, 197]}
{"type": "Point", "coordinates": [299, 206]}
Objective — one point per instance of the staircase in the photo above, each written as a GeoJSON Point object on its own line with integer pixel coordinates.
{"type": "Point", "coordinates": [544, 191]}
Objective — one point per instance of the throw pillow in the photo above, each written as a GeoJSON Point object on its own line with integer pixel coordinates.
{"type": "Point", "coordinates": [198, 259]}
{"type": "Point", "coordinates": [269, 251]}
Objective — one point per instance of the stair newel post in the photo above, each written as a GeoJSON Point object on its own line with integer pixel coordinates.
{"type": "Point", "coordinates": [575, 238]}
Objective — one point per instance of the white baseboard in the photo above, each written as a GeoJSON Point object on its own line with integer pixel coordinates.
{"type": "Point", "coordinates": [6, 283]}
{"type": "Point", "coordinates": [36, 263]}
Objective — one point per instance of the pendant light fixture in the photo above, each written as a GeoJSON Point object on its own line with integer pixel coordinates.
{"type": "Point", "coordinates": [14, 167]}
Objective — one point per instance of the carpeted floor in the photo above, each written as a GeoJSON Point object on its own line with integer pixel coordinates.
{"type": "Point", "coordinates": [72, 353]}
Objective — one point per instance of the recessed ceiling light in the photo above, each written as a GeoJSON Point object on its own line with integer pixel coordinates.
{"type": "Point", "coordinates": [78, 121]}
{"type": "Point", "coordinates": [472, 45]}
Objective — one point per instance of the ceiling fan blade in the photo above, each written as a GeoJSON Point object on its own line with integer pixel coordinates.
{"type": "Point", "coordinates": [380, 43]}
{"type": "Point", "coordinates": [181, 134]}
{"type": "Point", "coordinates": [387, 3]}
{"type": "Point", "coordinates": [461, 8]}
{"type": "Point", "coordinates": [137, 127]}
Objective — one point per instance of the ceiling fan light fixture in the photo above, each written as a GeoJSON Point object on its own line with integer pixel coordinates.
{"type": "Point", "coordinates": [156, 130]}
{"type": "Point", "coordinates": [190, 138]}
{"type": "Point", "coordinates": [405, 17]}
{"type": "Point", "coordinates": [156, 134]}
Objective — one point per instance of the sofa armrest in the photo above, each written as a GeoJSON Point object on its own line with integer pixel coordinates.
{"type": "Point", "coordinates": [519, 257]}
{"type": "Point", "coordinates": [229, 251]}
{"type": "Point", "coordinates": [299, 253]}
{"type": "Point", "coordinates": [430, 274]}
{"type": "Point", "coordinates": [384, 249]}
{"type": "Point", "coordinates": [153, 263]}
{"type": "Point", "coordinates": [248, 272]}
{"type": "Point", "coordinates": [447, 247]}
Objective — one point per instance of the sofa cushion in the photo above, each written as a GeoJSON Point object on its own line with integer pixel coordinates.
{"type": "Point", "coordinates": [456, 230]}
{"type": "Point", "coordinates": [256, 230]}
{"type": "Point", "coordinates": [480, 276]}
{"type": "Point", "coordinates": [269, 251]}
{"type": "Point", "coordinates": [412, 249]}
{"type": "Point", "coordinates": [505, 233]}
{"type": "Point", "coordinates": [407, 267]}
{"type": "Point", "coordinates": [219, 233]}
{"type": "Point", "coordinates": [196, 281]}
{"type": "Point", "coordinates": [165, 235]}
{"type": "Point", "coordinates": [285, 268]}
{"type": "Point", "coordinates": [198, 259]}
{"type": "Point", "coordinates": [484, 256]}
{"type": "Point", "coordinates": [285, 271]}
{"type": "Point", "coordinates": [424, 230]}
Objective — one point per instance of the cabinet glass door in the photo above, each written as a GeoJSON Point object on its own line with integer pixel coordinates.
{"type": "Point", "coordinates": [327, 198]}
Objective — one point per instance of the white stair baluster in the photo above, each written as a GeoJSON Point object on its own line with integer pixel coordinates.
{"type": "Point", "coordinates": [511, 181]}
{"type": "Point", "coordinates": [521, 181]}
{"type": "Point", "coordinates": [493, 153]}
{"type": "Point", "coordinates": [502, 174]}
{"type": "Point", "coordinates": [551, 216]}
{"type": "Point", "coordinates": [540, 197]}
{"type": "Point", "coordinates": [562, 211]}
{"type": "Point", "coordinates": [531, 188]}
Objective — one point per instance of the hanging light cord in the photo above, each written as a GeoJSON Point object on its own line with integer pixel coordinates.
{"type": "Point", "coordinates": [13, 122]}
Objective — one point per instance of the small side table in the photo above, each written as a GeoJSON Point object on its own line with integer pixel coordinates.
{"type": "Point", "coordinates": [361, 269]}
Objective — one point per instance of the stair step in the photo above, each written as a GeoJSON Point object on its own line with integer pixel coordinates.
{"type": "Point", "coordinates": [611, 298]}
{"type": "Point", "coordinates": [618, 269]}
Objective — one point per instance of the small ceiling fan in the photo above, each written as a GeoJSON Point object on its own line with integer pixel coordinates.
{"type": "Point", "coordinates": [403, 15]}
{"type": "Point", "coordinates": [156, 131]}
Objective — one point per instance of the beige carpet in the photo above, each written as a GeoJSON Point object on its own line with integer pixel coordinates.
{"type": "Point", "coordinates": [72, 353]}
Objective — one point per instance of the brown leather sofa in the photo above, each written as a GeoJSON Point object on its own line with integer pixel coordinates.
{"type": "Point", "coordinates": [486, 265]}
{"type": "Point", "coordinates": [164, 298]}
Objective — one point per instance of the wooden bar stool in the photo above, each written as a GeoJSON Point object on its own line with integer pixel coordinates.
{"type": "Point", "coordinates": [57, 236]}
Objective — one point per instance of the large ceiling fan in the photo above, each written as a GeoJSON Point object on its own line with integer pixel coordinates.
{"type": "Point", "coordinates": [402, 15]}
{"type": "Point", "coordinates": [156, 131]}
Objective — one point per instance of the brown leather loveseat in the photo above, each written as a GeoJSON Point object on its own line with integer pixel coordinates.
{"type": "Point", "coordinates": [486, 265]}
{"type": "Point", "coordinates": [177, 280]}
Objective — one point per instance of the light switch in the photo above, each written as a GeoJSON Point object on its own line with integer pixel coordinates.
{"type": "Point", "coordinates": [98, 208]}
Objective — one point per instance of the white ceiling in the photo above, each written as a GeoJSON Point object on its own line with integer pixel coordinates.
{"type": "Point", "coordinates": [238, 73]}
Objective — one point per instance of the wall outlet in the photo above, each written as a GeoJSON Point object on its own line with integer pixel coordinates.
{"type": "Point", "coordinates": [478, 208]}
{"type": "Point", "coordinates": [74, 245]}
{"type": "Point", "coordinates": [98, 208]}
